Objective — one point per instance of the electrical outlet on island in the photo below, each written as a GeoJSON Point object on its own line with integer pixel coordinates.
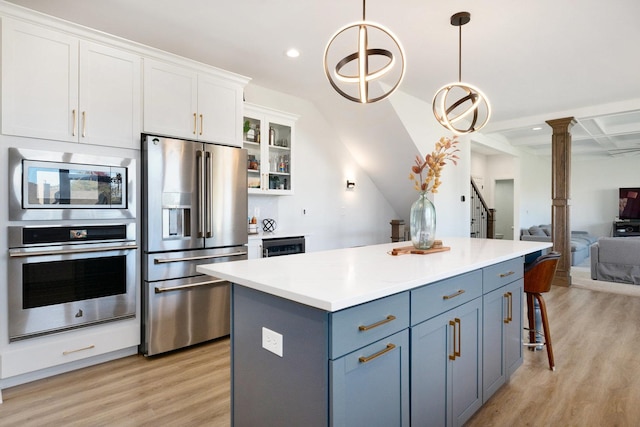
{"type": "Point", "coordinates": [272, 341]}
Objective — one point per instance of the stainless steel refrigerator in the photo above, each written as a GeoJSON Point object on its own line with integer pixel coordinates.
{"type": "Point", "coordinates": [194, 212]}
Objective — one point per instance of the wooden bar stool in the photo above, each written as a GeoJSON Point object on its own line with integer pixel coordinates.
{"type": "Point", "coordinates": [537, 280]}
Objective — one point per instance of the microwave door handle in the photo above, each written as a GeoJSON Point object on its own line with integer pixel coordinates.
{"type": "Point", "coordinates": [208, 197]}
{"type": "Point", "coordinates": [200, 189]}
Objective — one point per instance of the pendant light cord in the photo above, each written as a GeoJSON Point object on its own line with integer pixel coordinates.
{"type": "Point", "coordinates": [460, 53]}
{"type": "Point", "coordinates": [364, 7]}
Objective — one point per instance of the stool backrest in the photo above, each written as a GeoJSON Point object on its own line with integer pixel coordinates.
{"type": "Point", "coordinates": [539, 274]}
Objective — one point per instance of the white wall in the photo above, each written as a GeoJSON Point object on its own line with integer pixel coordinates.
{"type": "Point", "coordinates": [594, 190]}
{"type": "Point", "coordinates": [535, 197]}
{"type": "Point", "coordinates": [452, 203]}
{"type": "Point", "coordinates": [336, 217]}
{"type": "Point", "coordinates": [593, 194]}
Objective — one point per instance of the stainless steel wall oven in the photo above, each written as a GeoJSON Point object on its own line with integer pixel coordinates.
{"type": "Point", "coordinates": [72, 241]}
{"type": "Point", "coordinates": [65, 277]}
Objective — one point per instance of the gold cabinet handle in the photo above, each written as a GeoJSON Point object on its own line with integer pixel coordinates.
{"type": "Point", "coordinates": [68, 352]}
{"type": "Point", "coordinates": [201, 123]}
{"type": "Point", "coordinates": [365, 359]}
{"type": "Point", "coordinates": [457, 332]}
{"type": "Point", "coordinates": [387, 319]}
{"type": "Point", "coordinates": [503, 275]}
{"type": "Point", "coordinates": [195, 122]}
{"type": "Point", "coordinates": [73, 131]}
{"type": "Point", "coordinates": [459, 352]}
{"type": "Point", "coordinates": [510, 297]}
{"type": "Point", "coordinates": [460, 292]}
{"type": "Point", "coordinates": [510, 306]}
{"type": "Point", "coordinates": [84, 124]}
{"type": "Point", "coordinates": [453, 356]}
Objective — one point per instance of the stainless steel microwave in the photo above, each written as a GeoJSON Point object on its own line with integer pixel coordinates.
{"type": "Point", "coordinates": [56, 186]}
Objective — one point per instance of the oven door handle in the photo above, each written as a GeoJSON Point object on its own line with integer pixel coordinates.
{"type": "Point", "coordinates": [196, 258]}
{"type": "Point", "coordinates": [21, 253]}
{"type": "Point", "coordinates": [190, 286]}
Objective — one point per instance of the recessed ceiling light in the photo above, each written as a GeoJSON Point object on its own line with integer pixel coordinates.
{"type": "Point", "coordinates": [536, 128]}
{"type": "Point", "coordinates": [293, 53]}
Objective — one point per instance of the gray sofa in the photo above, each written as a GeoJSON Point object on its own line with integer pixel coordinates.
{"type": "Point", "coordinates": [616, 259]}
{"type": "Point", "coordinates": [580, 240]}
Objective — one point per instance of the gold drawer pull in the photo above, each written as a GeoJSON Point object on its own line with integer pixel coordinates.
{"type": "Point", "coordinates": [388, 319]}
{"type": "Point", "coordinates": [365, 359]}
{"type": "Point", "coordinates": [195, 123]}
{"type": "Point", "coordinates": [460, 292]}
{"type": "Point", "coordinates": [201, 124]}
{"type": "Point", "coordinates": [503, 275]}
{"type": "Point", "coordinates": [68, 352]}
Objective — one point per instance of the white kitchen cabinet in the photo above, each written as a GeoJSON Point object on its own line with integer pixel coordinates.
{"type": "Point", "coordinates": [39, 353]}
{"type": "Point", "coordinates": [185, 103]}
{"type": "Point", "coordinates": [110, 98]}
{"type": "Point", "coordinates": [56, 86]}
{"type": "Point", "coordinates": [269, 137]}
{"type": "Point", "coordinates": [254, 248]}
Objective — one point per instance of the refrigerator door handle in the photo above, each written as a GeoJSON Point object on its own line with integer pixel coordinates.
{"type": "Point", "coordinates": [201, 191]}
{"type": "Point", "coordinates": [159, 290]}
{"type": "Point", "coordinates": [197, 258]}
{"type": "Point", "coordinates": [208, 195]}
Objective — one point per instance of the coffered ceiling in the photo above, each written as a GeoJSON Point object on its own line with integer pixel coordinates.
{"type": "Point", "coordinates": [536, 60]}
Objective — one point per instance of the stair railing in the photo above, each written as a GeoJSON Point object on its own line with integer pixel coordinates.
{"type": "Point", "coordinates": [482, 217]}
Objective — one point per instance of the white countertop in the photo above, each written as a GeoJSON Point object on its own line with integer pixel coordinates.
{"type": "Point", "coordinates": [337, 279]}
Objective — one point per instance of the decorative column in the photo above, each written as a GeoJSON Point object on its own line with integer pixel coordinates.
{"type": "Point", "coordinates": [560, 194]}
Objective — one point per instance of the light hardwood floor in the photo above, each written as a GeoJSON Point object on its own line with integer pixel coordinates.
{"type": "Point", "coordinates": [182, 388]}
{"type": "Point", "coordinates": [596, 383]}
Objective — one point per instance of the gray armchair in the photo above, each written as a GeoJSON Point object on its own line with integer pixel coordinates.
{"type": "Point", "coordinates": [616, 259]}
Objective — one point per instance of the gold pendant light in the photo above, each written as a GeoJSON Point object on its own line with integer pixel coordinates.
{"type": "Point", "coordinates": [460, 104]}
{"type": "Point", "coordinates": [352, 75]}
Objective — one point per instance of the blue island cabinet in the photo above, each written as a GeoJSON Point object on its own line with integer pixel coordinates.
{"type": "Point", "coordinates": [446, 351]}
{"type": "Point", "coordinates": [502, 318]}
{"type": "Point", "coordinates": [427, 356]}
{"type": "Point", "coordinates": [348, 368]}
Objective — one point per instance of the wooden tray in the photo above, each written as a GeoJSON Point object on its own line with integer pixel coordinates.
{"type": "Point", "coordinates": [411, 250]}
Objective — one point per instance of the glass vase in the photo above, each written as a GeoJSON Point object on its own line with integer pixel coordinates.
{"type": "Point", "coordinates": [423, 222]}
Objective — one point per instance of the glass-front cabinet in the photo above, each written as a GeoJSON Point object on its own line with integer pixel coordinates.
{"type": "Point", "coordinates": [268, 136]}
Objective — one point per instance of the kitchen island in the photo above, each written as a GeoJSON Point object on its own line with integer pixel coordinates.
{"type": "Point", "coordinates": [360, 337]}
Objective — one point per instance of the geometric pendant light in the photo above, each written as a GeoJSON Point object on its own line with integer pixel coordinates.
{"type": "Point", "coordinates": [461, 107]}
{"type": "Point", "coordinates": [354, 72]}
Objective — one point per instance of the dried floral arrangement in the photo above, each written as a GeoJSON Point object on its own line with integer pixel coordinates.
{"type": "Point", "coordinates": [445, 151]}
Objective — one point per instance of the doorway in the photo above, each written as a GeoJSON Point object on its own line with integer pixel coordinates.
{"type": "Point", "coordinates": [504, 208]}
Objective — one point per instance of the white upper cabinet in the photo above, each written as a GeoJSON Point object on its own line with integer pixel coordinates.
{"type": "Point", "coordinates": [269, 138]}
{"type": "Point", "coordinates": [39, 82]}
{"type": "Point", "coordinates": [181, 102]}
{"type": "Point", "coordinates": [170, 100]}
{"type": "Point", "coordinates": [56, 86]}
{"type": "Point", "coordinates": [110, 97]}
{"type": "Point", "coordinates": [219, 110]}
